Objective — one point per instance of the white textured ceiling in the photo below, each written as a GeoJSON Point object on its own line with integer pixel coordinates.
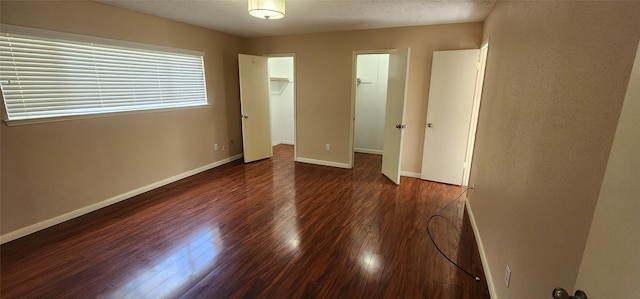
{"type": "Point", "coordinates": [306, 16]}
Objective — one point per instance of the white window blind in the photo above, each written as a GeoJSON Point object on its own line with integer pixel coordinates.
{"type": "Point", "coordinates": [42, 78]}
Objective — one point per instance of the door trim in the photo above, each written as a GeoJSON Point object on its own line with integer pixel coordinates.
{"type": "Point", "coordinates": [475, 112]}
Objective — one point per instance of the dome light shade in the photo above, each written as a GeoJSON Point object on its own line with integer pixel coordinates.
{"type": "Point", "coordinates": [267, 9]}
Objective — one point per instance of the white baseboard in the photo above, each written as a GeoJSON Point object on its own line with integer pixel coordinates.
{"type": "Point", "coordinates": [367, 151]}
{"type": "Point", "coordinates": [483, 256]}
{"type": "Point", "coordinates": [322, 162]}
{"type": "Point", "coordinates": [410, 174]}
{"type": "Point", "coordinates": [90, 208]}
{"type": "Point", "coordinates": [282, 142]}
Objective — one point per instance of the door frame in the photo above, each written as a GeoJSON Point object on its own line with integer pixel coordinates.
{"type": "Point", "coordinates": [295, 102]}
{"type": "Point", "coordinates": [475, 112]}
{"type": "Point", "coordinates": [354, 78]}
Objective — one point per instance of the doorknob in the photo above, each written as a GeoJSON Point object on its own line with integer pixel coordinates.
{"type": "Point", "coordinates": [560, 293]}
{"type": "Point", "coordinates": [429, 125]}
{"type": "Point", "coordinates": [399, 126]}
{"type": "Point", "coordinates": [245, 116]}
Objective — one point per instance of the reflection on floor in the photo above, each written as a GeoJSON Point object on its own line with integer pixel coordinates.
{"type": "Point", "coordinates": [269, 229]}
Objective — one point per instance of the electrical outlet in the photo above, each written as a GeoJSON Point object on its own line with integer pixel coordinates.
{"type": "Point", "coordinates": [507, 276]}
{"type": "Point", "coordinates": [327, 147]}
{"type": "Point", "coordinates": [224, 147]}
{"type": "Point", "coordinates": [215, 147]}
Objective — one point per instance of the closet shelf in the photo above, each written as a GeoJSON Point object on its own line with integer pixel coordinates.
{"type": "Point", "coordinates": [277, 85]}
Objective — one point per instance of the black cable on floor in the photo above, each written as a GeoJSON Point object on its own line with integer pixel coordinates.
{"type": "Point", "coordinates": [437, 214]}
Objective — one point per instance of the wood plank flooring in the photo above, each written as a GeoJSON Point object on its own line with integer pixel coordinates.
{"type": "Point", "coordinates": [268, 229]}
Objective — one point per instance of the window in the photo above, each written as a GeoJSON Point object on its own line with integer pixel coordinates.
{"type": "Point", "coordinates": [44, 77]}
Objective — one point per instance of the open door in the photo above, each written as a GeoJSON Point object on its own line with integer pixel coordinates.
{"type": "Point", "coordinates": [394, 117]}
{"type": "Point", "coordinates": [254, 103]}
{"type": "Point", "coordinates": [451, 93]}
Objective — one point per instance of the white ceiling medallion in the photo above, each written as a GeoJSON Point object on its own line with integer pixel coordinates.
{"type": "Point", "coordinates": [267, 9]}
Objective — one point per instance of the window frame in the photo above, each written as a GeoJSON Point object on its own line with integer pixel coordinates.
{"type": "Point", "coordinates": [126, 45]}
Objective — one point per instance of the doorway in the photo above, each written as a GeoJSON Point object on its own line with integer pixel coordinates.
{"type": "Point", "coordinates": [266, 102]}
{"type": "Point", "coordinates": [371, 100]}
{"type": "Point", "coordinates": [282, 99]}
{"type": "Point", "coordinates": [393, 127]}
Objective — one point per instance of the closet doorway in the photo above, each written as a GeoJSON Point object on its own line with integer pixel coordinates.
{"type": "Point", "coordinates": [282, 99]}
{"type": "Point", "coordinates": [371, 101]}
{"type": "Point", "coordinates": [373, 122]}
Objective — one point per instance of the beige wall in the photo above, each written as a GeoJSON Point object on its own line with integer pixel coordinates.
{"type": "Point", "coordinates": [53, 168]}
{"type": "Point", "coordinates": [610, 265]}
{"type": "Point", "coordinates": [324, 78]}
{"type": "Point", "coordinates": [555, 83]}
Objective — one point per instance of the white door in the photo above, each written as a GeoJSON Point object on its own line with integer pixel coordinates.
{"type": "Point", "coordinates": [453, 78]}
{"type": "Point", "coordinates": [394, 116]}
{"type": "Point", "coordinates": [254, 102]}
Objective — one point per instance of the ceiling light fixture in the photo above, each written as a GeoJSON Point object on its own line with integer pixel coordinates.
{"type": "Point", "coordinates": [267, 9]}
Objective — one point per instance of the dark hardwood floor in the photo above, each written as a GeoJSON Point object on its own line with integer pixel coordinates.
{"type": "Point", "coordinates": [268, 229]}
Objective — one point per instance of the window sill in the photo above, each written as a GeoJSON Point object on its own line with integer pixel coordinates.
{"type": "Point", "coordinates": [21, 122]}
